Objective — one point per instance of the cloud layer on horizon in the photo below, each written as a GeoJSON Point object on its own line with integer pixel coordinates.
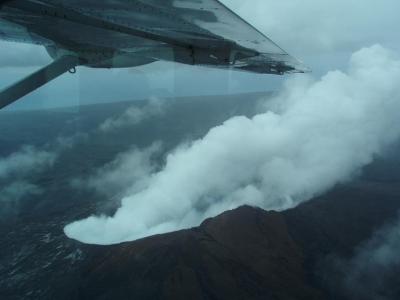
{"type": "Point", "coordinates": [314, 26]}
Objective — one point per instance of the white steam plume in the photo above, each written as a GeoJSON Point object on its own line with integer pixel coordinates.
{"type": "Point", "coordinates": [127, 173]}
{"type": "Point", "coordinates": [15, 171]}
{"type": "Point", "coordinates": [12, 194]}
{"type": "Point", "coordinates": [25, 161]}
{"type": "Point", "coordinates": [379, 255]}
{"type": "Point", "coordinates": [324, 132]}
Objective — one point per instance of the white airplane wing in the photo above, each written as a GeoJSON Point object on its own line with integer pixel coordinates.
{"type": "Point", "coordinates": [127, 33]}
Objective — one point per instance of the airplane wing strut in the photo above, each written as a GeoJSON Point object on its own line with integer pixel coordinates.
{"type": "Point", "coordinates": [37, 79]}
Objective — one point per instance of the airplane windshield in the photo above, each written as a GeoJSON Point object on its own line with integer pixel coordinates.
{"type": "Point", "coordinates": [199, 149]}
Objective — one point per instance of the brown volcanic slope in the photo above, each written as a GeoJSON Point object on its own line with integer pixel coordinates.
{"type": "Point", "coordinates": [245, 253]}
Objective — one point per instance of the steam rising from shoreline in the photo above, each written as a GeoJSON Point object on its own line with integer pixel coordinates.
{"type": "Point", "coordinates": [379, 255]}
{"type": "Point", "coordinates": [15, 172]}
{"type": "Point", "coordinates": [135, 115]}
{"type": "Point", "coordinates": [324, 132]}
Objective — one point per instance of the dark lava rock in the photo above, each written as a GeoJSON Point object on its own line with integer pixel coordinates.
{"type": "Point", "coordinates": [245, 253]}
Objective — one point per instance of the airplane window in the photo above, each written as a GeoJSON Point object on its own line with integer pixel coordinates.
{"type": "Point", "coordinates": [159, 149]}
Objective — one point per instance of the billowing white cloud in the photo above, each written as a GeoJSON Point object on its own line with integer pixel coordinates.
{"type": "Point", "coordinates": [135, 114]}
{"type": "Point", "coordinates": [322, 133]}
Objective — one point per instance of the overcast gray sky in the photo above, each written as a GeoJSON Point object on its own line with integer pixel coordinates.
{"type": "Point", "coordinates": [322, 33]}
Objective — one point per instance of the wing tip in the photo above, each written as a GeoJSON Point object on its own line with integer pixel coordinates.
{"type": "Point", "coordinates": [278, 64]}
